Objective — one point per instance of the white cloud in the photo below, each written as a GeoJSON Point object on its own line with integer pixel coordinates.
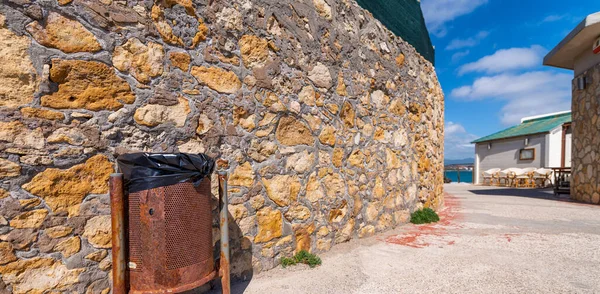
{"type": "Point", "coordinates": [505, 60]}
{"type": "Point", "coordinates": [457, 141]}
{"type": "Point", "coordinates": [456, 57]}
{"type": "Point", "coordinates": [526, 94]}
{"type": "Point", "coordinates": [561, 17]}
{"type": "Point", "coordinates": [469, 42]}
{"type": "Point", "coordinates": [554, 17]}
{"type": "Point", "coordinates": [438, 13]}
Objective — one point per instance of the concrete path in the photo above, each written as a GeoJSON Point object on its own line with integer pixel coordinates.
{"type": "Point", "coordinates": [490, 240]}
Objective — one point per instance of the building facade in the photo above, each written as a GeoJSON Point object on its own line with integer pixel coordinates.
{"type": "Point", "coordinates": [546, 137]}
{"type": "Point", "coordinates": [576, 52]}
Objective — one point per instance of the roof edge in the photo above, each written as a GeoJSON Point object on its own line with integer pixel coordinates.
{"type": "Point", "coordinates": [504, 138]}
{"type": "Point", "coordinates": [587, 21]}
{"type": "Point", "coordinates": [536, 117]}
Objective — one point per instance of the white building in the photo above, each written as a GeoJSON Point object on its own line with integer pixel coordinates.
{"type": "Point", "coordinates": [539, 141]}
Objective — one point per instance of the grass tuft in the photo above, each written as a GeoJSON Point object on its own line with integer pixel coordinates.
{"type": "Point", "coordinates": [301, 257]}
{"type": "Point", "coordinates": [424, 216]}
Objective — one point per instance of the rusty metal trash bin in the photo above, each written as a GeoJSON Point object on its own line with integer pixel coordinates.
{"type": "Point", "coordinates": [169, 222]}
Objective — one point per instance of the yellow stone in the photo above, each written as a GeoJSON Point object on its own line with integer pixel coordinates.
{"type": "Point", "coordinates": [254, 50]}
{"type": "Point", "coordinates": [142, 61]}
{"type": "Point", "coordinates": [323, 244]}
{"type": "Point", "coordinates": [314, 192]}
{"type": "Point", "coordinates": [152, 115]}
{"type": "Point", "coordinates": [181, 60]}
{"type": "Point", "coordinates": [6, 253]}
{"type": "Point", "coordinates": [98, 231]}
{"type": "Point", "coordinates": [29, 203]}
{"type": "Point", "coordinates": [357, 158]}
{"type": "Point", "coordinates": [372, 211]}
{"type": "Point", "coordinates": [338, 156]}
{"type": "Point", "coordinates": [378, 190]}
{"type": "Point", "coordinates": [392, 160]}
{"type": "Point", "coordinates": [307, 95]}
{"type": "Point", "coordinates": [400, 60]}
{"type": "Point", "coordinates": [243, 175]}
{"type": "Point", "coordinates": [30, 112]}
{"type": "Point", "coordinates": [18, 77]}
{"type": "Point", "coordinates": [335, 186]}
{"type": "Point", "coordinates": [105, 264]}
{"type": "Point", "coordinates": [397, 107]}
{"type": "Point", "coordinates": [64, 34]}
{"type": "Point", "coordinates": [303, 237]}
{"type": "Point", "coordinates": [284, 241]}
{"type": "Point", "coordinates": [9, 169]}
{"type": "Point", "coordinates": [87, 84]}
{"type": "Point", "coordinates": [97, 256]}
{"type": "Point", "coordinates": [345, 234]}
{"type": "Point", "coordinates": [218, 79]}
{"type": "Point", "coordinates": [37, 275]}
{"type": "Point", "coordinates": [336, 215]}
{"type": "Point", "coordinates": [270, 225]}
{"type": "Point", "coordinates": [347, 114]}
{"type": "Point", "coordinates": [63, 190]}
{"type": "Point", "coordinates": [166, 30]}
{"type": "Point", "coordinates": [4, 193]}
{"type": "Point", "coordinates": [341, 86]}
{"type": "Point", "coordinates": [282, 189]}
{"type": "Point", "coordinates": [292, 132]}
{"type": "Point", "coordinates": [323, 8]}
{"type": "Point", "coordinates": [29, 220]}
{"type": "Point", "coordinates": [238, 211]}
{"type": "Point", "coordinates": [69, 246]}
{"type": "Point", "coordinates": [297, 212]}
{"type": "Point", "coordinates": [366, 231]}
{"type": "Point", "coordinates": [327, 135]}
{"type": "Point", "coordinates": [58, 231]}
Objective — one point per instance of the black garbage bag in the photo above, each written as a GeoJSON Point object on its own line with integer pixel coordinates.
{"type": "Point", "coordinates": [144, 171]}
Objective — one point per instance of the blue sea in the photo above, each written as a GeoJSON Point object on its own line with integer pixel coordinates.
{"type": "Point", "coordinates": [465, 176]}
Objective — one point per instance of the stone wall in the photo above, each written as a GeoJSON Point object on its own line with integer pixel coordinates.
{"type": "Point", "coordinates": [333, 125]}
{"type": "Point", "coordinates": [585, 156]}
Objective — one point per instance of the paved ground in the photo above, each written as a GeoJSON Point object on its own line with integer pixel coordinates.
{"type": "Point", "coordinates": [490, 240]}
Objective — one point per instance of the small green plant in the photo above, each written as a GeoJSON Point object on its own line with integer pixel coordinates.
{"type": "Point", "coordinates": [424, 216]}
{"type": "Point", "coordinates": [301, 257]}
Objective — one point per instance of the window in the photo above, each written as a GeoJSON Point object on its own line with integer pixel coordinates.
{"type": "Point", "coordinates": [527, 154]}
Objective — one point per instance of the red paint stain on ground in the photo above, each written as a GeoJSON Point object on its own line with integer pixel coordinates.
{"type": "Point", "coordinates": [510, 236]}
{"type": "Point", "coordinates": [417, 234]}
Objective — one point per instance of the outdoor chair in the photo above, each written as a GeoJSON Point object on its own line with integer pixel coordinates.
{"type": "Point", "coordinates": [504, 175]}
{"type": "Point", "coordinates": [525, 178]}
{"type": "Point", "coordinates": [543, 175]}
{"type": "Point", "coordinates": [512, 175]}
{"type": "Point", "coordinates": [489, 175]}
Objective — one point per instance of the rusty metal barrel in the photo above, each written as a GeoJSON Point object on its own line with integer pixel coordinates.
{"type": "Point", "coordinates": [170, 248]}
{"type": "Point", "coordinates": [170, 238]}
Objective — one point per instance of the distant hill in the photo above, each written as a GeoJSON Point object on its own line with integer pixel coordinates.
{"type": "Point", "coordinates": [459, 161]}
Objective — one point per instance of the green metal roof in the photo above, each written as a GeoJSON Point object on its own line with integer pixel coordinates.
{"type": "Point", "coordinates": [529, 127]}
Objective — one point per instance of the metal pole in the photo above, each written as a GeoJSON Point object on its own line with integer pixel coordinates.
{"type": "Point", "coordinates": [117, 218]}
{"type": "Point", "coordinates": [222, 166]}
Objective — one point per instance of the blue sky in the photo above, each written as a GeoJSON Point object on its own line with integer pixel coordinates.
{"type": "Point", "coordinates": [489, 61]}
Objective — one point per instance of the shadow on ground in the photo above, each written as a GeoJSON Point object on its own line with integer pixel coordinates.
{"type": "Point", "coordinates": [547, 193]}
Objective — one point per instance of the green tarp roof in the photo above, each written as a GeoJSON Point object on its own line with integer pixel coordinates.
{"type": "Point", "coordinates": [529, 127]}
{"type": "Point", "coordinates": [405, 19]}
